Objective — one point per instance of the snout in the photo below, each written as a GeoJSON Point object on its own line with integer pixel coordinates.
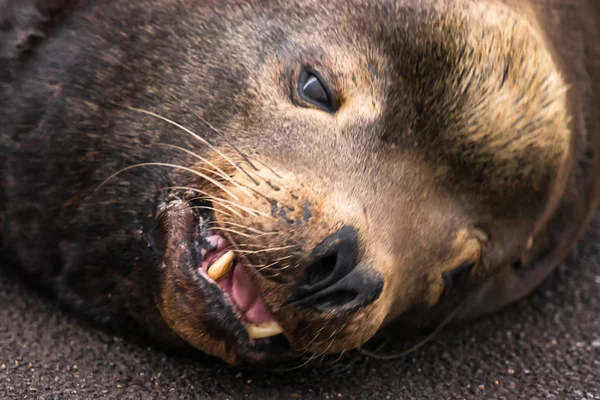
{"type": "Point", "coordinates": [333, 283]}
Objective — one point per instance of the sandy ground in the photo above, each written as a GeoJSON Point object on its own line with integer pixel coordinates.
{"type": "Point", "coordinates": [545, 347]}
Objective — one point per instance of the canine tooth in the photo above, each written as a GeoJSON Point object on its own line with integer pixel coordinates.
{"type": "Point", "coordinates": [264, 330]}
{"type": "Point", "coordinates": [222, 266]}
{"type": "Point", "coordinates": [530, 243]}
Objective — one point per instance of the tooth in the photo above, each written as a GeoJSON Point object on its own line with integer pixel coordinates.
{"type": "Point", "coordinates": [264, 330]}
{"type": "Point", "coordinates": [530, 243]}
{"type": "Point", "coordinates": [222, 266]}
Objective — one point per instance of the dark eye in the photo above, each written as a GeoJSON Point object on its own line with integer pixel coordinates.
{"type": "Point", "coordinates": [312, 90]}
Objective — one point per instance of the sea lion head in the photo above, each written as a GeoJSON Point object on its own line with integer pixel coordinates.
{"type": "Point", "coordinates": [363, 161]}
{"type": "Point", "coordinates": [367, 160]}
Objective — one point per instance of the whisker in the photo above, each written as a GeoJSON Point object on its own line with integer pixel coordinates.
{"type": "Point", "coordinates": [296, 266]}
{"type": "Point", "coordinates": [272, 249]}
{"type": "Point", "coordinates": [420, 344]}
{"type": "Point", "coordinates": [271, 276]}
{"type": "Point", "coordinates": [218, 226]}
{"type": "Point", "coordinates": [267, 198]}
{"type": "Point", "coordinates": [317, 356]}
{"type": "Point", "coordinates": [294, 368]}
{"type": "Point", "coordinates": [157, 164]}
{"type": "Point", "coordinates": [323, 355]}
{"type": "Point", "coordinates": [244, 156]}
{"type": "Point", "coordinates": [245, 227]}
{"type": "Point", "coordinates": [250, 245]}
{"type": "Point", "coordinates": [263, 267]}
{"type": "Point", "coordinates": [212, 198]}
{"type": "Point", "coordinates": [270, 169]}
{"type": "Point", "coordinates": [337, 359]}
{"type": "Point", "coordinates": [215, 169]}
{"type": "Point", "coordinates": [201, 118]}
{"type": "Point", "coordinates": [236, 232]}
{"type": "Point", "coordinates": [311, 358]}
{"type": "Point", "coordinates": [218, 201]}
{"type": "Point", "coordinates": [243, 208]}
{"type": "Point", "coordinates": [335, 332]}
{"type": "Point", "coordinates": [211, 209]}
{"type": "Point", "coordinates": [193, 134]}
{"type": "Point", "coordinates": [314, 338]}
{"type": "Point", "coordinates": [248, 209]}
{"type": "Point", "coordinates": [221, 173]}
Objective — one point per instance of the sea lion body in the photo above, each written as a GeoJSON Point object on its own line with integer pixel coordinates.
{"type": "Point", "coordinates": [366, 161]}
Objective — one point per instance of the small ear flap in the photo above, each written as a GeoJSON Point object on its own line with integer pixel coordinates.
{"type": "Point", "coordinates": [23, 23]}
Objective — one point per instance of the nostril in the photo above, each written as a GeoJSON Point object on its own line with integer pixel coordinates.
{"type": "Point", "coordinates": [332, 283]}
{"type": "Point", "coordinates": [336, 300]}
{"type": "Point", "coordinates": [332, 260]}
{"type": "Point", "coordinates": [321, 269]}
{"type": "Point", "coordinates": [355, 290]}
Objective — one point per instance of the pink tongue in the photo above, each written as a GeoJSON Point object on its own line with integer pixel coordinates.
{"type": "Point", "coordinates": [238, 285]}
{"type": "Point", "coordinates": [246, 297]}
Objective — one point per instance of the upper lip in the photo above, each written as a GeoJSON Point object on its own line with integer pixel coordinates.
{"type": "Point", "coordinates": [185, 227]}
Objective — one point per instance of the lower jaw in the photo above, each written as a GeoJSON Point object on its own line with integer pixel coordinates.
{"type": "Point", "coordinates": [266, 352]}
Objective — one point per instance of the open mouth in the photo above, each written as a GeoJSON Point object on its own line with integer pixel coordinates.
{"type": "Point", "coordinates": [220, 265]}
{"type": "Point", "coordinates": [235, 311]}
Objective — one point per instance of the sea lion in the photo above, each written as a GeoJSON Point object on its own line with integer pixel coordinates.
{"type": "Point", "coordinates": [356, 162]}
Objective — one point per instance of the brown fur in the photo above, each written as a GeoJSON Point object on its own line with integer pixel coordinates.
{"type": "Point", "coordinates": [467, 133]}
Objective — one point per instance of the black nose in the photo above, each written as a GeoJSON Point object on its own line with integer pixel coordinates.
{"type": "Point", "coordinates": [332, 282]}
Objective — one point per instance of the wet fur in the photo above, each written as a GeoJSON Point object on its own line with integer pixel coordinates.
{"type": "Point", "coordinates": [436, 161]}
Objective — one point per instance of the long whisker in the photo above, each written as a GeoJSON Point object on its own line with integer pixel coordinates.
{"type": "Point", "coordinates": [236, 232]}
{"type": "Point", "coordinates": [243, 208]}
{"type": "Point", "coordinates": [191, 133]}
{"type": "Point", "coordinates": [218, 201]}
{"type": "Point", "coordinates": [270, 169]}
{"type": "Point", "coordinates": [255, 234]}
{"type": "Point", "coordinates": [221, 173]}
{"type": "Point", "coordinates": [214, 199]}
{"type": "Point", "coordinates": [157, 164]}
{"type": "Point", "coordinates": [272, 249]}
{"type": "Point", "coordinates": [423, 342]}
{"type": "Point", "coordinates": [211, 209]}
{"type": "Point", "coordinates": [244, 227]}
{"type": "Point", "coordinates": [218, 132]}
{"type": "Point", "coordinates": [263, 267]}
{"type": "Point", "coordinates": [337, 359]}
{"type": "Point", "coordinates": [312, 357]}
{"type": "Point", "coordinates": [314, 338]}
{"type": "Point", "coordinates": [294, 368]}
{"type": "Point", "coordinates": [250, 245]}
{"type": "Point", "coordinates": [323, 354]}
{"type": "Point", "coordinates": [267, 198]}
{"type": "Point", "coordinates": [335, 332]}
{"type": "Point", "coordinates": [317, 356]}
{"type": "Point", "coordinates": [296, 266]}
{"type": "Point", "coordinates": [248, 209]}
{"type": "Point", "coordinates": [244, 156]}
